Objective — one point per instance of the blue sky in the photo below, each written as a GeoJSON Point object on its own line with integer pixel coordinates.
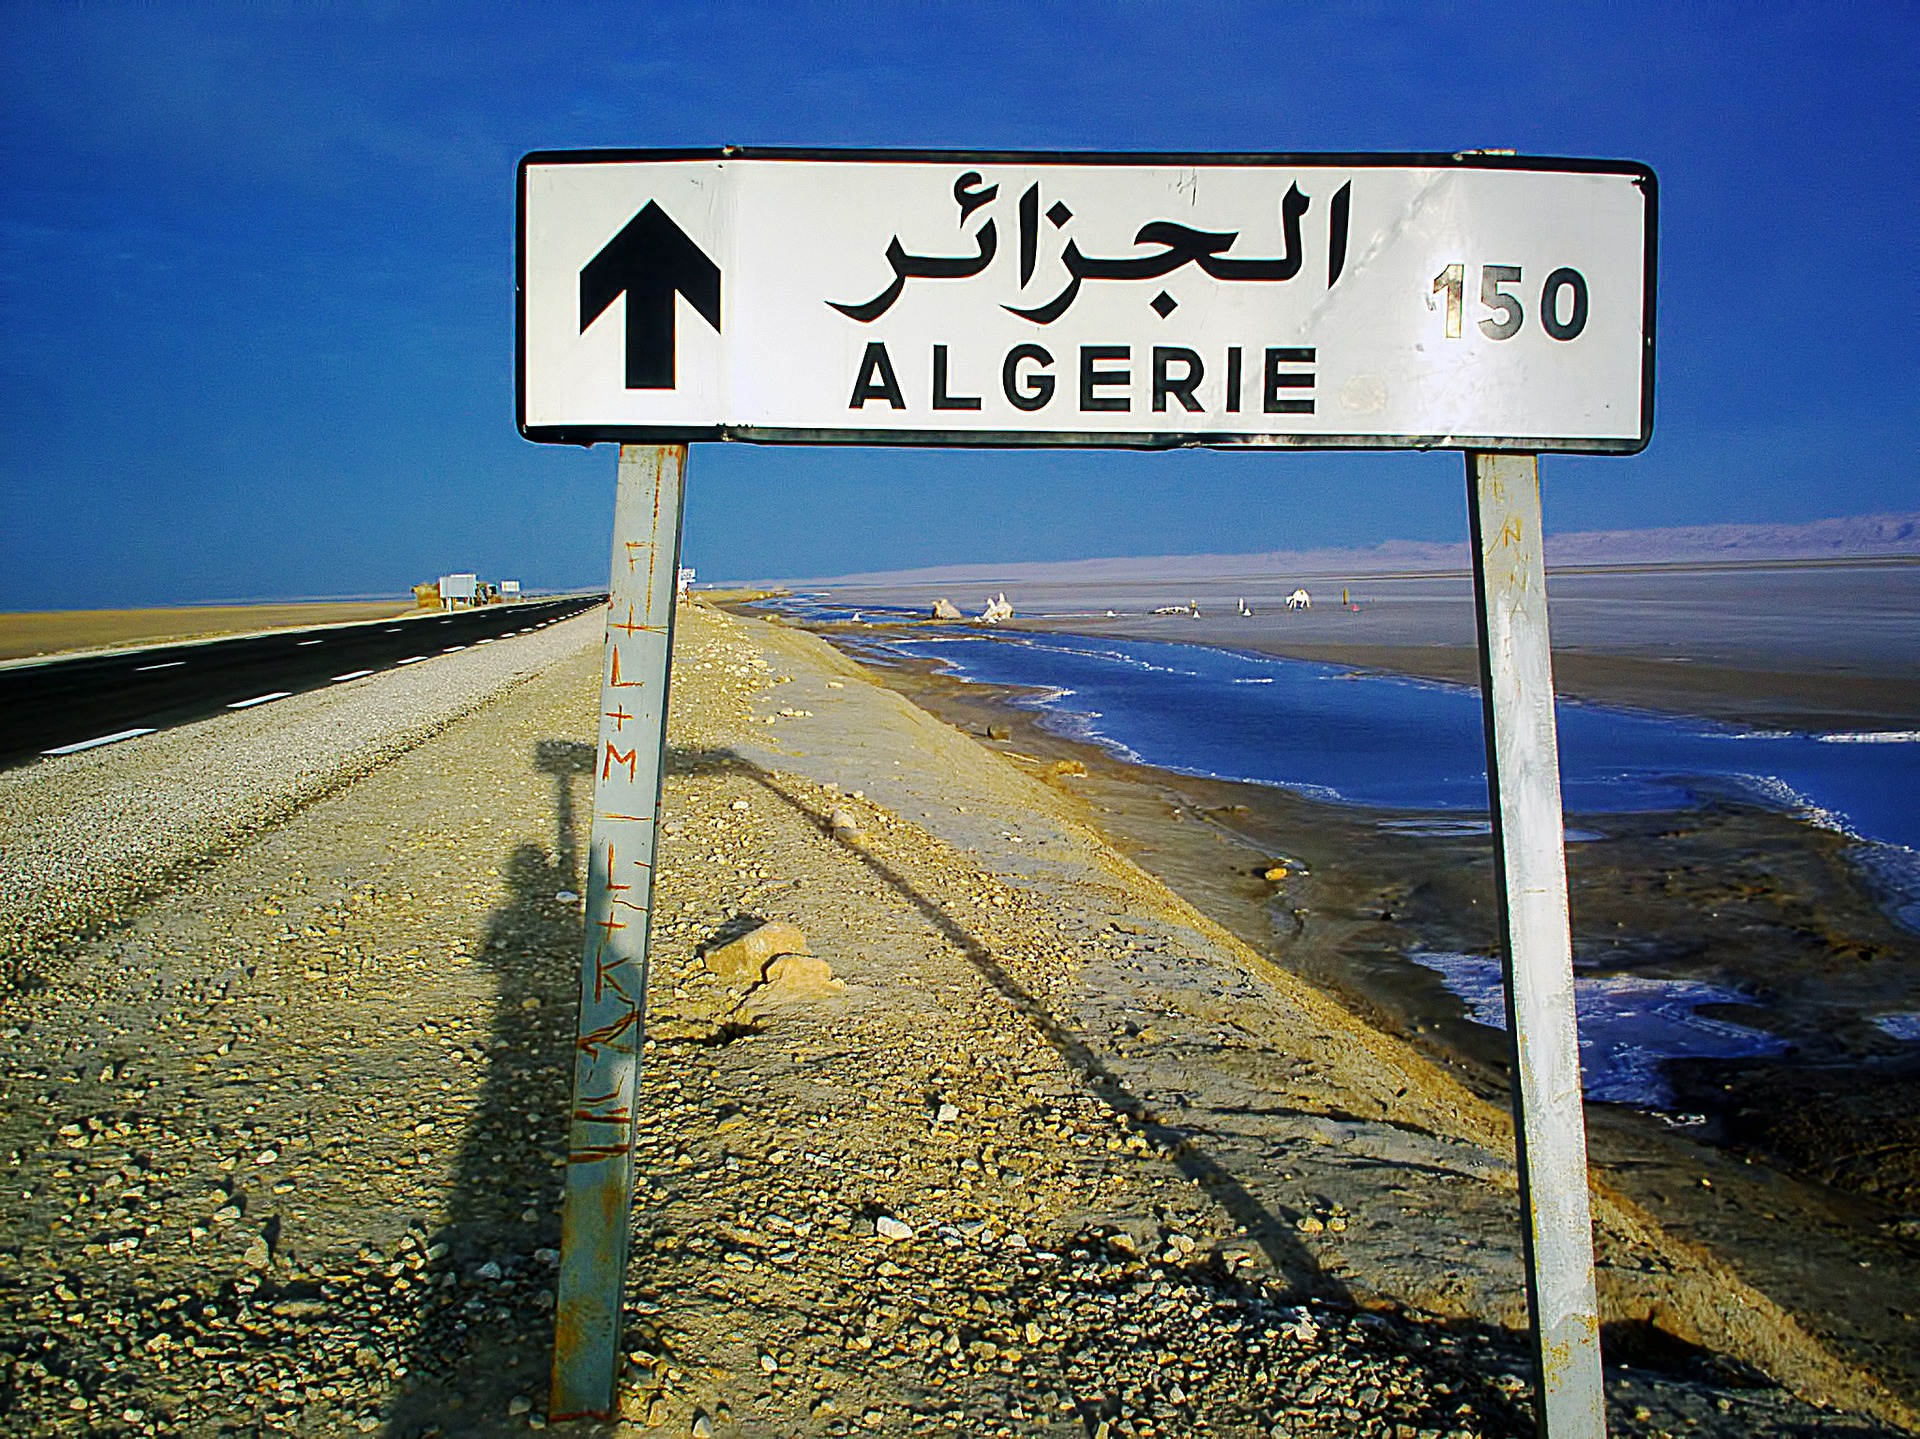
{"type": "Point", "coordinates": [256, 307]}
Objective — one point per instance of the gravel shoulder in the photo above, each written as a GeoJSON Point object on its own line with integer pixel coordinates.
{"type": "Point", "coordinates": [84, 836]}
{"type": "Point", "coordinates": [284, 1100]}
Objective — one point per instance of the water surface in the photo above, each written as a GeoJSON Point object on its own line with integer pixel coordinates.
{"type": "Point", "coordinates": [1358, 737]}
{"type": "Point", "coordinates": [1629, 1024]}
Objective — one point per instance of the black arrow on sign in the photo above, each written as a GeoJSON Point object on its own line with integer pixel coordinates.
{"type": "Point", "coordinates": [650, 261]}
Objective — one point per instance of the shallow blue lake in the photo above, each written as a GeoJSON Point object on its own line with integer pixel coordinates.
{"type": "Point", "coordinates": [1629, 1025]}
{"type": "Point", "coordinates": [1364, 738]}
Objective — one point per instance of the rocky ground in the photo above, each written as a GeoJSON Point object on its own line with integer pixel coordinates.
{"type": "Point", "coordinates": [283, 1123]}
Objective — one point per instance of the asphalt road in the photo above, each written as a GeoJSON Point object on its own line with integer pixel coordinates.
{"type": "Point", "coordinates": [62, 705]}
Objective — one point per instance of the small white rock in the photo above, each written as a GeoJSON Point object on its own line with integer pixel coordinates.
{"type": "Point", "coordinates": [567, 896]}
{"type": "Point", "coordinates": [489, 1270]}
{"type": "Point", "coordinates": [948, 1114]}
{"type": "Point", "coordinates": [742, 806]}
{"type": "Point", "coordinates": [891, 1229]}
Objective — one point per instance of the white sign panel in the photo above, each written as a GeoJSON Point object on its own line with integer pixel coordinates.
{"type": "Point", "coordinates": [1474, 301]}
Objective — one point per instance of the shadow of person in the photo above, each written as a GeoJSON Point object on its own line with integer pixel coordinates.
{"type": "Point", "coordinates": [479, 1355]}
{"type": "Point", "coordinates": [484, 1327]}
{"type": "Point", "coordinates": [568, 761]}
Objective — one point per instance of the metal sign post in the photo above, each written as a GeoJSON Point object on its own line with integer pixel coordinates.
{"type": "Point", "coordinates": [595, 1218]}
{"type": "Point", "coordinates": [1498, 304]}
{"type": "Point", "coordinates": [1523, 783]}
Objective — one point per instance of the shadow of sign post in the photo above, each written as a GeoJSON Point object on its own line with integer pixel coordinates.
{"type": "Point", "coordinates": [1495, 304]}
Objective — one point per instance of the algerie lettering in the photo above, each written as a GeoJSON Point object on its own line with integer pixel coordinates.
{"type": "Point", "coordinates": [1097, 379]}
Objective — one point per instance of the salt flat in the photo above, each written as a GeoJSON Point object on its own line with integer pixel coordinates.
{"type": "Point", "coordinates": [1810, 644]}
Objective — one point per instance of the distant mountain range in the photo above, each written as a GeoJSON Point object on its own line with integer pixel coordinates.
{"type": "Point", "coordinates": [1846, 538]}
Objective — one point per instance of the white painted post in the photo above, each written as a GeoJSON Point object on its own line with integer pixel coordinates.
{"type": "Point", "coordinates": [1523, 780]}
{"type": "Point", "coordinates": [628, 764]}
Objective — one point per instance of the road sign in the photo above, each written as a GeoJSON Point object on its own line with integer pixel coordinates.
{"type": "Point", "coordinates": [1474, 301]}
{"type": "Point", "coordinates": [1479, 302]}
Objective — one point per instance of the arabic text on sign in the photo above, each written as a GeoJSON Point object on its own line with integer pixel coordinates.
{"type": "Point", "coordinates": [1178, 246]}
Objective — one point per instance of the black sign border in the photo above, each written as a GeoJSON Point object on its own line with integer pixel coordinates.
{"type": "Point", "coordinates": [1641, 174]}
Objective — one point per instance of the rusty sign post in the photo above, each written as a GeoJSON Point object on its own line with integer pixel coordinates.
{"type": "Point", "coordinates": [627, 769]}
{"type": "Point", "coordinates": [1536, 943]}
{"type": "Point", "coordinates": [1498, 304]}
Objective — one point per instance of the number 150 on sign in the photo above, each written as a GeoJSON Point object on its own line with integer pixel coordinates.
{"type": "Point", "coordinates": [1562, 309]}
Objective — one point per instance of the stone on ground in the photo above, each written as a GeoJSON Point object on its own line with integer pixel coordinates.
{"type": "Point", "coordinates": [745, 959]}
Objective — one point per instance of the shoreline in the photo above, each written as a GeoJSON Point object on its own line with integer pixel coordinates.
{"type": "Point", "coordinates": [1822, 647]}
{"type": "Point", "coordinates": [1735, 1185]}
{"type": "Point", "coordinates": [1761, 699]}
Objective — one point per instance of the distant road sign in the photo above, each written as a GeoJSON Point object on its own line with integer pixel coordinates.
{"type": "Point", "coordinates": [1487, 302]}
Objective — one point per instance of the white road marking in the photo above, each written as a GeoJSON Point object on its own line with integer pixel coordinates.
{"type": "Point", "coordinates": [169, 665]}
{"type": "Point", "coordinates": [259, 700]}
{"type": "Point", "coordinates": [451, 648]}
{"type": "Point", "coordinates": [356, 675]}
{"type": "Point", "coordinates": [414, 660]}
{"type": "Point", "coordinates": [304, 643]}
{"type": "Point", "coordinates": [95, 743]}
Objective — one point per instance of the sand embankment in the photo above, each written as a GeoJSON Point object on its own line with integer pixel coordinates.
{"type": "Point", "coordinates": [32, 633]}
{"type": "Point", "coordinates": [287, 1134]}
